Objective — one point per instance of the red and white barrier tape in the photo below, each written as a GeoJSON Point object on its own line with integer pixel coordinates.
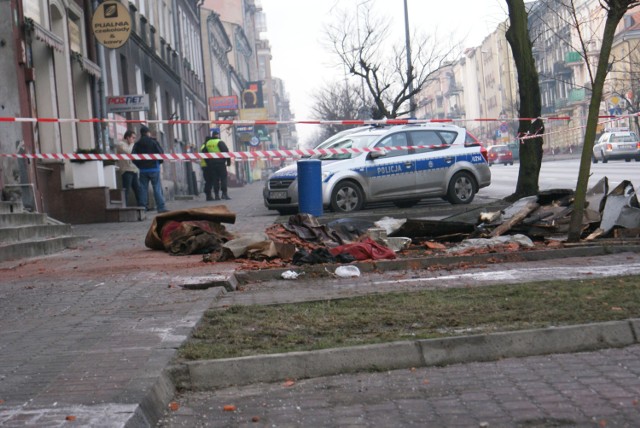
{"type": "Point", "coordinates": [290, 122]}
{"type": "Point", "coordinates": [258, 154]}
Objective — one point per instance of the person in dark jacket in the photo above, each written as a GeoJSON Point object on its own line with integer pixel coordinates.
{"type": "Point", "coordinates": [149, 170]}
{"type": "Point", "coordinates": [215, 170]}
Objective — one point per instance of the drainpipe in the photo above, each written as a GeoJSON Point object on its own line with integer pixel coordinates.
{"type": "Point", "coordinates": [103, 142]}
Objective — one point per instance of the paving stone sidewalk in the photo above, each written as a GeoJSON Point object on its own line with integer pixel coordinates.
{"type": "Point", "coordinates": [87, 333]}
{"type": "Point", "coordinates": [591, 389]}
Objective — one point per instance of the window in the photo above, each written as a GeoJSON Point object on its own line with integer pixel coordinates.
{"type": "Point", "coordinates": [395, 140]}
{"type": "Point", "coordinates": [427, 138]}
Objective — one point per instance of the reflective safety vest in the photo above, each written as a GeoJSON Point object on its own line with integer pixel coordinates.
{"type": "Point", "coordinates": [210, 146]}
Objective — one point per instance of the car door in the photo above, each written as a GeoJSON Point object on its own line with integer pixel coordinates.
{"type": "Point", "coordinates": [392, 175]}
{"type": "Point", "coordinates": [598, 148]}
{"type": "Point", "coordinates": [433, 159]}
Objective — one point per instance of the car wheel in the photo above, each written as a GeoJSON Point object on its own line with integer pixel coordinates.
{"type": "Point", "coordinates": [604, 159]}
{"type": "Point", "coordinates": [406, 204]}
{"type": "Point", "coordinates": [627, 160]}
{"type": "Point", "coordinates": [462, 188]}
{"type": "Point", "coordinates": [347, 197]}
{"type": "Point", "coordinates": [594, 159]}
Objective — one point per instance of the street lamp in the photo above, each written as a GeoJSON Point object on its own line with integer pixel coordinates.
{"type": "Point", "coordinates": [412, 105]}
{"type": "Point", "coordinates": [485, 113]}
{"type": "Point", "coordinates": [363, 2]}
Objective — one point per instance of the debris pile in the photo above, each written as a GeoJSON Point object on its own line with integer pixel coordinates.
{"type": "Point", "coordinates": [535, 222]}
{"type": "Point", "coordinates": [547, 215]}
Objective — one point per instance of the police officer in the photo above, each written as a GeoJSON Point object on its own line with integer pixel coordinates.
{"type": "Point", "coordinates": [215, 170]}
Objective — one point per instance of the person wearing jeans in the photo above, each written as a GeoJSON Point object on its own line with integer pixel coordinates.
{"type": "Point", "coordinates": [128, 169]}
{"type": "Point", "coordinates": [149, 170]}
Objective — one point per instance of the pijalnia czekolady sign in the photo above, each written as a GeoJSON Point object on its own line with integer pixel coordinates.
{"type": "Point", "coordinates": [111, 24]}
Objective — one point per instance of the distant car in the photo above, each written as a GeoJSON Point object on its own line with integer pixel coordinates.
{"type": "Point", "coordinates": [500, 154]}
{"type": "Point", "coordinates": [433, 160]}
{"type": "Point", "coordinates": [616, 145]}
{"type": "Point", "coordinates": [515, 150]}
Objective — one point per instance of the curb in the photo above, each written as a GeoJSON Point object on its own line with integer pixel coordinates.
{"type": "Point", "coordinates": [214, 374]}
{"type": "Point", "coordinates": [245, 277]}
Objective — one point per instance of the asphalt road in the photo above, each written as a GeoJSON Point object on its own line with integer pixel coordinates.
{"type": "Point", "coordinates": [561, 174]}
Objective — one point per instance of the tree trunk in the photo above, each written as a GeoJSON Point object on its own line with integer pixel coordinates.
{"type": "Point", "coordinates": [614, 15]}
{"type": "Point", "coordinates": [530, 101]}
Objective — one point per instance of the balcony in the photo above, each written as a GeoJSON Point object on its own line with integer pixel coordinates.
{"type": "Point", "coordinates": [577, 95]}
{"type": "Point", "coordinates": [560, 103]}
{"type": "Point", "coordinates": [559, 67]}
{"type": "Point", "coordinates": [548, 110]}
{"type": "Point", "coordinates": [573, 58]}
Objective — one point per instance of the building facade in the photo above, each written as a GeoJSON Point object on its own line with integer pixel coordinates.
{"type": "Point", "coordinates": [482, 83]}
{"type": "Point", "coordinates": [239, 83]}
{"type": "Point", "coordinates": [58, 74]}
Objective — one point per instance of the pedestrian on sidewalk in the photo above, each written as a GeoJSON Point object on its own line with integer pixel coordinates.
{"type": "Point", "coordinates": [215, 170]}
{"type": "Point", "coordinates": [149, 170]}
{"type": "Point", "coordinates": [129, 170]}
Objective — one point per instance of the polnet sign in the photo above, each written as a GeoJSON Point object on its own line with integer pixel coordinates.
{"type": "Point", "coordinates": [127, 103]}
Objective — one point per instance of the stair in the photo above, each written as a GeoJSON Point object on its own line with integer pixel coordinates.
{"type": "Point", "coordinates": [118, 211]}
{"type": "Point", "coordinates": [24, 234]}
{"type": "Point", "coordinates": [83, 205]}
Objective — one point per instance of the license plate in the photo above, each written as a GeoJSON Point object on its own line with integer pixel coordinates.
{"type": "Point", "coordinates": [627, 146]}
{"type": "Point", "coordinates": [278, 195]}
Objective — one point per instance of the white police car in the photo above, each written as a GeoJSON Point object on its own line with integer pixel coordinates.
{"type": "Point", "coordinates": [436, 160]}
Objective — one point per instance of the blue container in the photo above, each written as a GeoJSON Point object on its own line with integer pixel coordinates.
{"type": "Point", "coordinates": [310, 187]}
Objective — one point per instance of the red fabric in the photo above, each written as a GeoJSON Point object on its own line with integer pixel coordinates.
{"type": "Point", "coordinates": [365, 250]}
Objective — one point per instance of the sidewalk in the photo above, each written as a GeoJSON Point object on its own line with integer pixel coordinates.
{"type": "Point", "coordinates": [88, 334]}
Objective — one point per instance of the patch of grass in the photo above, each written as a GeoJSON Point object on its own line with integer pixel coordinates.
{"type": "Point", "coordinates": [251, 330]}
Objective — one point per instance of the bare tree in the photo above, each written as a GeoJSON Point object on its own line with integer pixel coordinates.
{"type": "Point", "coordinates": [359, 44]}
{"type": "Point", "coordinates": [337, 101]}
{"type": "Point", "coordinates": [615, 12]}
{"type": "Point", "coordinates": [530, 101]}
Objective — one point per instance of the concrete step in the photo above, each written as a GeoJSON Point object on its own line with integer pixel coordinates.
{"type": "Point", "coordinates": [125, 214]}
{"type": "Point", "coordinates": [9, 207]}
{"type": "Point", "coordinates": [22, 219]}
{"type": "Point", "coordinates": [36, 248]}
{"type": "Point", "coordinates": [33, 232]}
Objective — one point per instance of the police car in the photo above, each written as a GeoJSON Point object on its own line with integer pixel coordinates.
{"type": "Point", "coordinates": [399, 164]}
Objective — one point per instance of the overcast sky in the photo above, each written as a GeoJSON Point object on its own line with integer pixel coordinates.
{"type": "Point", "coordinates": [295, 29]}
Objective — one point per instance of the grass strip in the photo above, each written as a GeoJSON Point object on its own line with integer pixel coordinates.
{"type": "Point", "coordinates": [252, 330]}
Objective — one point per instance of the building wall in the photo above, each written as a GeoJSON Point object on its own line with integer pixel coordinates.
{"type": "Point", "coordinates": [12, 171]}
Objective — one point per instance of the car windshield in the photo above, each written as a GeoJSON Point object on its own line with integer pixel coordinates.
{"type": "Point", "coordinates": [349, 142]}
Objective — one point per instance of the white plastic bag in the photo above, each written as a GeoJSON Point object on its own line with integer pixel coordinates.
{"type": "Point", "coordinates": [348, 271]}
{"type": "Point", "coordinates": [290, 275]}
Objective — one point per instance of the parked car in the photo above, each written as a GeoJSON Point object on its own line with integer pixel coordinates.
{"type": "Point", "coordinates": [515, 149]}
{"type": "Point", "coordinates": [444, 165]}
{"type": "Point", "coordinates": [615, 145]}
{"type": "Point", "coordinates": [500, 154]}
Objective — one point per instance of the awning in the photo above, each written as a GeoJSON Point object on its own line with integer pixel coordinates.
{"type": "Point", "coordinates": [91, 67]}
{"type": "Point", "coordinates": [47, 37]}
{"type": "Point", "coordinates": [86, 65]}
